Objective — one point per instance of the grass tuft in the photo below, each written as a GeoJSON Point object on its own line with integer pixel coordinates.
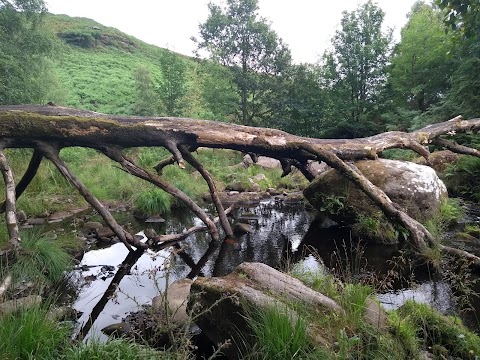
{"type": "Point", "coordinates": [277, 335]}
{"type": "Point", "coordinates": [153, 202]}
{"type": "Point", "coordinates": [113, 350]}
{"type": "Point", "coordinates": [40, 261]}
{"type": "Point", "coordinates": [31, 334]}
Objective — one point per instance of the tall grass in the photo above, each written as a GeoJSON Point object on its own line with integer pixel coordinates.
{"type": "Point", "coordinates": [153, 202]}
{"type": "Point", "coordinates": [277, 334]}
{"type": "Point", "coordinates": [31, 334]}
{"type": "Point", "coordinates": [41, 261]}
{"type": "Point", "coordinates": [445, 333]}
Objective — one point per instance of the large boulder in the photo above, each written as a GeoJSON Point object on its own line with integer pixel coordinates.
{"type": "Point", "coordinates": [221, 305]}
{"type": "Point", "coordinates": [177, 297]}
{"type": "Point", "coordinates": [415, 188]}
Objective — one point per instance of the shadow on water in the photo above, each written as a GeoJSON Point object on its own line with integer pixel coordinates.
{"type": "Point", "coordinates": [283, 233]}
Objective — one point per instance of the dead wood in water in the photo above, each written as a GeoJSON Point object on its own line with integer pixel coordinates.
{"type": "Point", "coordinates": [47, 129]}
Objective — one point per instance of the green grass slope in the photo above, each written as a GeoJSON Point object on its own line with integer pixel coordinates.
{"type": "Point", "coordinates": [95, 67]}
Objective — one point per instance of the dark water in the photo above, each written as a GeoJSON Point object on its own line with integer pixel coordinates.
{"type": "Point", "coordinates": [284, 233]}
{"type": "Point", "coordinates": [278, 230]}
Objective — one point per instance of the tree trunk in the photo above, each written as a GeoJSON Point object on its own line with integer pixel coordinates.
{"type": "Point", "coordinates": [31, 126]}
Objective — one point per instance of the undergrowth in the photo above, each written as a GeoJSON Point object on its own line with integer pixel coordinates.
{"type": "Point", "coordinates": [40, 260]}
{"type": "Point", "coordinates": [31, 334]}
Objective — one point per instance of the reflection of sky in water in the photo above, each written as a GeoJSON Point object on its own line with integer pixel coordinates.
{"type": "Point", "coordinates": [144, 282]}
{"type": "Point", "coordinates": [434, 293]}
{"type": "Point", "coordinates": [276, 223]}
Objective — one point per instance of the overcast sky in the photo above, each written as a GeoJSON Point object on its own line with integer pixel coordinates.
{"type": "Point", "coordinates": [305, 25]}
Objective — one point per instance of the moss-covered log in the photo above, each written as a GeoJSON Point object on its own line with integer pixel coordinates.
{"type": "Point", "coordinates": [32, 126]}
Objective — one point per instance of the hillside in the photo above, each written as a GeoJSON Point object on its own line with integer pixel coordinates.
{"type": "Point", "coordinates": [95, 67]}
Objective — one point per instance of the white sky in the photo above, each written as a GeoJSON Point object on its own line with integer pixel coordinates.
{"type": "Point", "coordinates": [306, 26]}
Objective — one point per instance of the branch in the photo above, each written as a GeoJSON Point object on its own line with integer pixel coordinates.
{"type": "Point", "coordinates": [10, 210]}
{"type": "Point", "coordinates": [162, 163]}
{"type": "Point", "coordinates": [27, 177]}
{"type": "Point", "coordinates": [475, 260]}
{"type": "Point", "coordinates": [213, 190]}
{"type": "Point", "coordinates": [52, 154]}
{"type": "Point", "coordinates": [117, 155]}
{"type": "Point", "coordinates": [460, 149]}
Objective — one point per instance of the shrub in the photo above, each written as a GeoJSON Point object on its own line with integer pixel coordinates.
{"type": "Point", "coordinates": [463, 178]}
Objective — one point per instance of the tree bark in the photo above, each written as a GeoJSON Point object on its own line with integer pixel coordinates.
{"type": "Point", "coordinates": [31, 126]}
{"type": "Point", "coordinates": [10, 210]}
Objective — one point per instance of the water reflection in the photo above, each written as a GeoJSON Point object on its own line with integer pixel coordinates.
{"type": "Point", "coordinates": [282, 232]}
{"type": "Point", "coordinates": [141, 277]}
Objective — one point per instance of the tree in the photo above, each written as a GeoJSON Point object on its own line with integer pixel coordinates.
{"type": "Point", "coordinates": [236, 37]}
{"type": "Point", "coordinates": [25, 49]}
{"type": "Point", "coordinates": [173, 86]}
{"type": "Point", "coordinates": [462, 16]}
{"type": "Point", "coordinates": [421, 65]}
{"type": "Point", "coordinates": [146, 99]}
{"type": "Point", "coordinates": [48, 129]}
{"type": "Point", "coordinates": [218, 90]}
{"type": "Point", "coordinates": [298, 102]}
{"type": "Point", "coordinates": [355, 70]}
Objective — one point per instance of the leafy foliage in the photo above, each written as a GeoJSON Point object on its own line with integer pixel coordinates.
{"type": "Point", "coordinates": [298, 102]}
{"type": "Point", "coordinates": [463, 178]}
{"type": "Point", "coordinates": [237, 38]}
{"type": "Point", "coordinates": [355, 72]}
{"type": "Point", "coordinates": [25, 51]}
{"type": "Point", "coordinates": [172, 88]}
{"type": "Point", "coordinates": [421, 66]}
{"type": "Point", "coordinates": [461, 15]}
{"type": "Point", "coordinates": [146, 100]}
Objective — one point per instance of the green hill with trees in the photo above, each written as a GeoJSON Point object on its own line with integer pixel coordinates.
{"type": "Point", "coordinates": [102, 69]}
{"type": "Point", "coordinates": [364, 84]}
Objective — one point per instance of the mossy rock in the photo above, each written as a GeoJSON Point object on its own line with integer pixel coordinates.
{"type": "Point", "coordinates": [416, 189]}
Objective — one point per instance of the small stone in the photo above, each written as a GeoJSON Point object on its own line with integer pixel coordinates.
{"type": "Point", "coordinates": [104, 232]}
{"type": "Point", "coordinates": [273, 192]}
{"type": "Point", "coordinates": [259, 177]}
{"type": "Point", "coordinates": [36, 221]}
{"type": "Point", "coordinates": [154, 219]}
{"type": "Point", "coordinates": [21, 216]}
{"type": "Point", "coordinates": [10, 306]}
{"type": "Point", "coordinates": [242, 228]}
{"type": "Point", "coordinates": [107, 268]}
{"type": "Point", "coordinates": [177, 296]}
{"type": "Point", "coordinates": [92, 225]}
{"type": "Point", "coordinates": [117, 329]}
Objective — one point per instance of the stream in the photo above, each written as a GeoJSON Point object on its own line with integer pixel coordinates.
{"type": "Point", "coordinates": [284, 233]}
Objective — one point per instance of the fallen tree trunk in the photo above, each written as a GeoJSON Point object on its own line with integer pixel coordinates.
{"type": "Point", "coordinates": [47, 129]}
